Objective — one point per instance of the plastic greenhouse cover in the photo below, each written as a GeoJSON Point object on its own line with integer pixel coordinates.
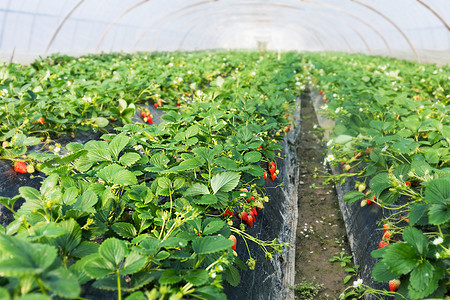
{"type": "Point", "coordinates": [411, 29]}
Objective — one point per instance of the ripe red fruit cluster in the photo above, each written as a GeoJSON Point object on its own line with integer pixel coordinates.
{"type": "Point", "coordinates": [228, 213]}
{"type": "Point", "coordinates": [272, 168]}
{"type": "Point", "coordinates": [20, 167]}
{"type": "Point", "coordinates": [158, 103]}
{"type": "Point", "coordinates": [147, 117]}
{"type": "Point", "coordinates": [407, 183]}
{"type": "Point", "coordinates": [41, 120]}
{"type": "Point", "coordinates": [248, 218]}
{"type": "Point", "coordinates": [382, 244]}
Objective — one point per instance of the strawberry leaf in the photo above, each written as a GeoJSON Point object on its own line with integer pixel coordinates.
{"type": "Point", "coordinates": [224, 182]}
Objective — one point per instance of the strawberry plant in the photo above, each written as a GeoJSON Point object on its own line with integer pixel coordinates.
{"type": "Point", "coordinates": [147, 209]}
{"type": "Point", "coordinates": [391, 127]}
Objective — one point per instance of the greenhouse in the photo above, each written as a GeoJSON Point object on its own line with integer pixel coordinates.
{"type": "Point", "coordinates": [223, 149]}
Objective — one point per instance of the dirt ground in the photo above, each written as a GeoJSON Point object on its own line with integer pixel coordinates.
{"type": "Point", "coordinates": [320, 231]}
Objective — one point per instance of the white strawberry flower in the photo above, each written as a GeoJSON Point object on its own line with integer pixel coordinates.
{"type": "Point", "coordinates": [438, 241]}
{"type": "Point", "coordinates": [357, 283]}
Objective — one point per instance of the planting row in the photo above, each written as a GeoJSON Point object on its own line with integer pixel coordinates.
{"type": "Point", "coordinates": [392, 134]}
{"type": "Point", "coordinates": [149, 210]}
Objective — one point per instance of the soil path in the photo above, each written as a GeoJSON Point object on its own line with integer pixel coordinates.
{"type": "Point", "coordinates": [321, 230]}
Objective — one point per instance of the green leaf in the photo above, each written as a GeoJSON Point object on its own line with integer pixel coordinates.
{"type": "Point", "coordinates": [127, 115]}
{"type": "Point", "coordinates": [142, 278]}
{"type": "Point", "coordinates": [159, 160]}
{"type": "Point", "coordinates": [85, 248]}
{"type": "Point", "coordinates": [416, 213]}
{"type": "Point", "coordinates": [71, 239]}
{"type": "Point", "coordinates": [117, 145]}
{"type": "Point", "coordinates": [170, 276]}
{"type": "Point", "coordinates": [133, 263]}
{"type": "Point", "coordinates": [252, 157]}
{"type": "Point", "coordinates": [210, 244]}
{"type": "Point", "coordinates": [101, 122]}
{"type": "Point", "coordinates": [438, 191]}
{"type": "Point", "coordinates": [62, 282]}
{"type": "Point", "coordinates": [379, 183]}
{"type": "Point", "coordinates": [232, 276]}
{"type": "Point", "coordinates": [432, 156]}
{"type": "Point", "coordinates": [97, 151]}
{"type": "Point", "coordinates": [125, 230]}
{"type": "Point", "coordinates": [70, 195]}
{"type": "Point", "coordinates": [226, 163]}
{"type": "Point", "coordinates": [136, 296]}
{"type": "Point", "coordinates": [205, 199]}
{"type": "Point", "coordinates": [439, 213]}
{"type": "Point", "coordinates": [98, 267]}
{"type": "Point", "coordinates": [87, 200]}
{"type": "Point", "coordinates": [129, 159]}
{"type": "Point", "coordinates": [31, 141]}
{"type": "Point", "coordinates": [29, 193]}
{"type": "Point", "coordinates": [210, 292]}
{"type": "Point", "coordinates": [33, 297]}
{"type": "Point", "coordinates": [353, 196]}
{"type": "Point", "coordinates": [197, 277]}
{"type": "Point", "coordinates": [225, 181]}
{"type": "Point", "coordinates": [196, 189]}
{"type": "Point", "coordinates": [381, 273]}
{"type": "Point", "coordinates": [49, 184]}
{"type": "Point", "coordinates": [213, 227]}
{"type": "Point", "coordinates": [205, 153]}
{"type": "Point", "coordinates": [417, 239]}
{"type": "Point", "coordinates": [113, 251]}
{"type": "Point", "coordinates": [421, 275]}
{"type": "Point", "coordinates": [192, 130]}
{"type": "Point", "coordinates": [115, 174]}
{"type": "Point", "coordinates": [400, 258]}
{"type": "Point", "coordinates": [244, 134]}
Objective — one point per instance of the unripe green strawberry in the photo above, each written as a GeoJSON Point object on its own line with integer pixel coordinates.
{"type": "Point", "coordinates": [361, 187]}
{"type": "Point", "coordinates": [30, 169]}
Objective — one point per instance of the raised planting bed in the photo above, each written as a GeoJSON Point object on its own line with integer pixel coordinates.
{"type": "Point", "coordinates": [148, 210]}
{"type": "Point", "coordinates": [389, 151]}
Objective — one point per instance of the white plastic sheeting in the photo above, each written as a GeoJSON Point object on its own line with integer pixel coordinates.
{"type": "Point", "coordinates": [410, 29]}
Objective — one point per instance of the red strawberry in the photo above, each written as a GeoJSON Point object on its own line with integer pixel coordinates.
{"type": "Point", "coordinates": [149, 120]}
{"type": "Point", "coordinates": [273, 177]}
{"type": "Point", "coordinates": [272, 168]}
{"type": "Point", "coordinates": [387, 236]}
{"type": "Point", "coordinates": [394, 284]}
{"type": "Point", "coordinates": [265, 175]}
{"type": "Point", "coordinates": [243, 215]}
{"type": "Point", "coordinates": [368, 150]}
{"type": "Point", "coordinates": [41, 120]}
{"type": "Point", "coordinates": [368, 200]}
{"type": "Point", "coordinates": [260, 147]}
{"type": "Point", "coordinates": [407, 183]}
{"type": "Point", "coordinates": [143, 114]}
{"type": "Point", "coordinates": [20, 167]}
{"type": "Point", "coordinates": [321, 92]}
{"type": "Point", "coordinates": [250, 199]}
{"type": "Point", "coordinates": [382, 244]}
{"type": "Point", "coordinates": [233, 238]}
{"type": "Point", "coordinates": [155, 105]}
{"type": "Point", "coordinates": [250, 220]}
{"type": "Point", "coordinates": [254, 211]}
{"type": "Point", "coordinates": [386, 227]}
{"type": "Point", "coordinates": [287, 128]}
